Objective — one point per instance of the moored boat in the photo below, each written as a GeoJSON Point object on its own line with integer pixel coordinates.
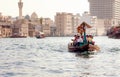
{"type": "Point", "coordinates": [17, 36]}
{"type": "Point", "coordinates": [114, 32]}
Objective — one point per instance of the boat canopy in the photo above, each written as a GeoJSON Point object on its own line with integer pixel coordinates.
{"type": "Point", "coordinates": [81, 27]}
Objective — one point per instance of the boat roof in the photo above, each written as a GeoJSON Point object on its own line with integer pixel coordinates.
{"type": "Point", "coordinates": [84, 23]}
{"type": "Point", "coordinates": [80, 27]}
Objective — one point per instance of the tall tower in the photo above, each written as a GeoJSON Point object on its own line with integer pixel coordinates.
{"type": "Point", "coordinates": [20, 5]}
{"type": "Point", "coordinates": [105, 9]}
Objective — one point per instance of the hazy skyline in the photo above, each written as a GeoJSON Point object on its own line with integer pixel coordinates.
{"type": "Point", "coordinates": [43, 8]}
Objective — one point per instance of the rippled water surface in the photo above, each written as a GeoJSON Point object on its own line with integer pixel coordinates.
{"type": "Point", "coordinates": [49, 57]}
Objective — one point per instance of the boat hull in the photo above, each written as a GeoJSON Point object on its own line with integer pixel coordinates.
{"type": "Point", "coordinates": [18, 36]}
{"type": "Point", "coordinates": [86, 48]}
{"type": "Point", "coordinates": [116, 36]}
{"type": "Point", "coordinates": [72, 48]}
{"type": "Point", "coordinates": [39, 37]}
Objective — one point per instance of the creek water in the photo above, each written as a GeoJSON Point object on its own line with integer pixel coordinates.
{"type": "Point", "coordinates": [49, 57]}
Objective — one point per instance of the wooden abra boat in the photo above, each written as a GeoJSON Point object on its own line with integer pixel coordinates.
{"type": "Point", "coordinates": [85, 48]}
{"type": "Point", "coordinates": [86, 45]}
{"type": "Point", "coordinates": [72, 48]}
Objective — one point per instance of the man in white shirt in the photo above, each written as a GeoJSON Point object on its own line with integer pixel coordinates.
{"type": "Point", "coordinates": [79, 40]}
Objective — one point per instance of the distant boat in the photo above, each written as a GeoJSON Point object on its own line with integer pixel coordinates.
{"type": "Point", "coordinates": [40, 35]}
{"type": "Point", "coordinates": [17, 36]}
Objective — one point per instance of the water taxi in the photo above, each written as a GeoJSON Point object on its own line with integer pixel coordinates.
{"type": "Point", "coordinates": [87, 44]}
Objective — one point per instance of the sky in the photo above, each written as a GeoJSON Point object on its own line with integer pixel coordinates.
{"type": "Point", "coordinates": [43, 8]}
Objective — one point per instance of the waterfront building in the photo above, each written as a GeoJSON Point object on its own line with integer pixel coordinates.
{"type": "Point", "coordinates": [34, 16]}
{"type": "Point", "coordinates": [76, 23]}
{"type": "Point", "coordinates": [107, 12]}
{"type": "Point", "coordinates": [20, 28]}
{"type": "Point", "coordinates": [5, 26]}
{"type": "Point", "coordinates": [46, 24]}
{"type": "Point", "coordinates": [53, 30]}
{"type": "Point", "coordinates": [101, 27]}
{"type": "Point", "coordinates": [5, 29]}
{"type": "Point", "coordinates": [42, 25]}
{"type": "Point", "coordinates": [64, 25]}
{"type": "Point", "coordinates": [31, 29]}
{"type": "Point", "coordinates": [106, 9]}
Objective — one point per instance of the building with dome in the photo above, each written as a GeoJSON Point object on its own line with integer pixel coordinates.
{"type": "Point", "coordinates": [34, 16]}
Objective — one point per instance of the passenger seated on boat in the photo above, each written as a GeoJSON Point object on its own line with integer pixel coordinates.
{"type": "Point", "coordinates": [89, 39]}
{"type": "Point", "coordinates": [79, 41]}
{"type": "Point", "coordinates": [75, 40]}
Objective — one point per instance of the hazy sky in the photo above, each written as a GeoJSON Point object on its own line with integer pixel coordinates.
{"type": "Point", "coordinates": [44, 8]}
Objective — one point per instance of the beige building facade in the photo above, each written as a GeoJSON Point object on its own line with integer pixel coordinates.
{"type": "Point", "coordinates": [64, 24]}
{"type": "Point", "coordinates": [46, 24]}
{"type": "Point", "coordinates": [100, 29]}
{"type": "Point", "coordinates": [31, 29]}
{"type": "Point", "coordinates": [76, 23]}
{"type": "Point", "coordinates": [5, 26]}
{"type": "Point", "coordinates": [34, 16]}
{"type": "Point", "coordinates": [20, 28]}
{"type": "Point", "coordinates": [5, 29]}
